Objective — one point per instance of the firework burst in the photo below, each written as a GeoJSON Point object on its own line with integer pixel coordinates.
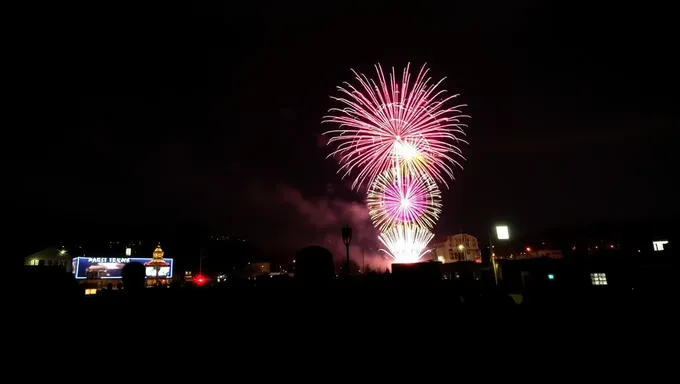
{"type": "Point", "coordinates": [407, 198]}
{"type": "Point", "coordinates": [387, 123]}
{"type": "Point", "coordinates": [406, 243]}
{"type": "Point", "coordinates": [399, 139]}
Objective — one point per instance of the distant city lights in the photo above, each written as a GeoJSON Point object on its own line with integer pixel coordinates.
{"type": "Point", "coordinates": [598, 278]}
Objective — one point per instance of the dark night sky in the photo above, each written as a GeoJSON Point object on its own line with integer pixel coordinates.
{"type": "Point", "coordinates": [161, 116]}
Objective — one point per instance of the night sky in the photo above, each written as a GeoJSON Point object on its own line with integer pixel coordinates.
{"type": "Point", "coordinates": [152, 118]}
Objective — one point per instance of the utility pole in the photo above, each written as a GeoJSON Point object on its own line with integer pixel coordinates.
{"type": "Point", "coordinates": [200, 261]}
{"type": "Point", "coordinates": [493, 258]}
{"type": "Point", "coordinates": [347, 239]}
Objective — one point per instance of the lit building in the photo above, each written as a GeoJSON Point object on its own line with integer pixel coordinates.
{"type": "Point", "coordinates": [460, 247]}
{"type": "Point", "coordinates": [659, 245]}
{"type": "Point", "coordinates": [50, 257]}
{"type": "Point", "coordinates": [258, 269]}
{"type": "Point", "coordinates": [158, 267]}
{"type": "Point", "coordinates": [530, 253]}
{"type": "Point", "coordinates": [598, 278]}
{"type": "Point", "coordinates": [98, 272]}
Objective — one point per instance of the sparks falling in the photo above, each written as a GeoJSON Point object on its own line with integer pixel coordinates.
{"type": "Point", "coordinates": [406, 243]}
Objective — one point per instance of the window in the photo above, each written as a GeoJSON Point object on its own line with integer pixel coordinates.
{"type": "Point", "coordinates": [598, 278]}
{"type": "Point", "coordinates": [91, 291]}
{"type": "Point", "coordinates": [34, 262]}
{"type": "Point", "coordinates": [658, 245]}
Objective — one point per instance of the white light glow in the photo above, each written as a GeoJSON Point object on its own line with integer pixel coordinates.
{"type": "Point", "coordinates": [598, 278]}
{"type": "Point", "coordinates": [502, 232]}
{"type": "Point", "coordinates": [406, 243]}
{"type": "Point", "coordinates": [658, 245]}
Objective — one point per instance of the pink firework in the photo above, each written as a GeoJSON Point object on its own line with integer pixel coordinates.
{"type": "Point", "coordinates": [408, 198]}
{"type": "Point", "coordinates": [387, 124]}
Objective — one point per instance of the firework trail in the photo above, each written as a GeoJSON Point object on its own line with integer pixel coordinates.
{"type": "Point", "coordinates": [399, 139]}
{"type": "Point", "coordinates": [385, 123]}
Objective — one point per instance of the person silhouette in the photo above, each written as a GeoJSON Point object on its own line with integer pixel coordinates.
{"type": "Point", "coordinates": [134, 277]}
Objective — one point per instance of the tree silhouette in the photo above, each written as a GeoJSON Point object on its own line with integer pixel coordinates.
{"type": "Point", "coordinates": [314, 264]}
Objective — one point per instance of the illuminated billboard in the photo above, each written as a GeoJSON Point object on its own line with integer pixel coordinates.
{"type": "Point", "coordinates": [111, 267]}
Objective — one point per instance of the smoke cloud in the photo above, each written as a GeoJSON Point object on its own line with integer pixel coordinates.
{"type": "Point", "coordinates": [276, 217]}
{"type": "Point", "coordinates": [296, 221]}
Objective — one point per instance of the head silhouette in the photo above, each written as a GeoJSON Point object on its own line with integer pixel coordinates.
{"type": "Point", "coordinates": [314, 265]}
{"type": "Point", "coordinates": [134, 276]}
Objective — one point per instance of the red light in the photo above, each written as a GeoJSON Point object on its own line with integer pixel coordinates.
{"type": "Point", "coordinates": [200, 280]}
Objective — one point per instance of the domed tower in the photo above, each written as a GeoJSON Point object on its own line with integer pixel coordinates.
{"type": "Point", "coordinates": [158, 253]}
{"type": "Point", "coordinates": [157, 261]}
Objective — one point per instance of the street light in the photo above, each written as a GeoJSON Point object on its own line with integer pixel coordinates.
{"type": "Point", "coordinates": [200, 261]}
{"type": "Point", "coordinates": [347, 238]}
{"type": "Point", "coordinates": [502, 233]}
{"type": "Point", "coordinates": [461, 253]}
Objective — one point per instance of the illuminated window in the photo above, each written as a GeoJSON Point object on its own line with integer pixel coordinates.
{"type": "Point", "coordinates": [34, 262]}
{"type": "Point", "coordinates": [91, 291]}
{"type": "Point", "coordinates": [658, 245]}
{"type": "Point", "coordinates": [598, 278]}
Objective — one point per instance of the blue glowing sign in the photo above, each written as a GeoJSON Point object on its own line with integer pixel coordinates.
{"type": "Point", "coordinates": [111, 267]}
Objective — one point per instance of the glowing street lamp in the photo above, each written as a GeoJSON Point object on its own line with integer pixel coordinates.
{"type": "Point", "coordinates": [347, 238]}
{"type": "Point", "coordinates": [502, 233]}
{"type": "Point", "coordinates": [460, 255]}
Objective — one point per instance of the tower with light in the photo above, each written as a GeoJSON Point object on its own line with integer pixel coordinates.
{"type": "Point", "coordinates": [157, 262]}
